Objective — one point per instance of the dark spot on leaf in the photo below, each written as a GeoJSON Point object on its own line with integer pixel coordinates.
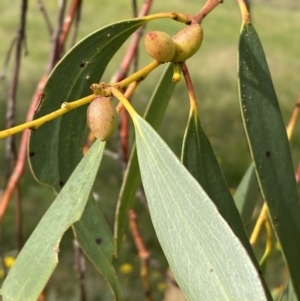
{"type": "Point", "coordinates": [98, 241]}
{"type": "Point", "coordinates": [82, 64]}
{"type": "Point", "coordinates": [31, 154]}
{"type": "Point", "coordinates": [147, 293]}
{"type": "Point", "coordinates": [61, 183]}
{"type": "Point", "coordinates": [44, 145]}
{"type": "Point", "coordinates": [268, 154]}
{"type": "Point", "coordinates": [211, 270]}
{"type": "Point", "coordinates": [260, 272]}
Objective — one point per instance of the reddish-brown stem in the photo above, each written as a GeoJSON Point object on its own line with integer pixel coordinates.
{"type": "Point", "coordinates": [57, 47]}
{"type": "Point", "coordinates": [79, 266]}
{"type": "Point", "coordinates": [120, 74]}
{"type": "Point", "coordinates": [207, 8]}
{"type": "Point", "coordinates": [74, 10]}
{"type": "Point", "coordinates": [143, 253]}
{"type": "Point", "coordinates": [189, 85]}
{"type": "Point", "coordinates": [11, 102]}
{"type": "Point", "coordinates": [19, 167]}
{"type": "Point", "coordinates": [291, 125]}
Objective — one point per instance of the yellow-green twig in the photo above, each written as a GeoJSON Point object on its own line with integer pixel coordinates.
{"type": "Point", "coordinates": [183, 18]}
{"type": "Point", "coordinates": [244, 12]}
{"type": "Point", "coordinates": [260, 221]}
{"type": "Point", "coordinates": [268, 247]}
{"type": "Point", "coordinates": [137, 76]}
{"type": "Point", "coordinates": [35, 124]}
{"type": "Point", "coordinates": [128, 93]}
{"type": "Point", "coordinates": [124, 101]}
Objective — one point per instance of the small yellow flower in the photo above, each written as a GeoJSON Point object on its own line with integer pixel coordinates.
{"type": "Point", "coordinates": [126, 268]}
{"type": "Point", "coordinates": [9, 261]}
{"type": "Point", "coordinates": [2, 274]}
{"type": "Point", "coordinates": [161, 286]}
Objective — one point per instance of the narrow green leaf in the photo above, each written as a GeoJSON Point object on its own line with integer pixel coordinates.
{"type": "Point", "coordinates": [207, 259]}
{"type": "Point", "coordinates": [38, 258]}
{"type": "Point", "coordinates": [199, 158]}
{"type": "Point", "coordinates": [56, 148]}
{"type": "Point", "coordinates": [154, 114]}
{"type": "Point", "coordinates": [95, 238]}
{"type": "Point", "coordinates": [269, 147]}
{"type": "Point", "coordinates": [246, 196]}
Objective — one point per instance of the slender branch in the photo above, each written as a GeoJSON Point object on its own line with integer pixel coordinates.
{"type": "Point", "coordinates": [35, 124]}
{"type": "Point", "coordinates": [260, 221]}
{"type": "Point", "coordinates": [19, 167]}
{"type": "Point", "coordinates": [137, 76]}
{"type": "Point", "coordinates": [189, 85]}
{"type": "Point", "coordinates": [124, 130]}
{"type": "Point", "coordinates": [143, 253]}
{"type": "Point", "coordinates": [46, 16]}
{"type": "Point", "coordinates": [74, 13]}
{"type": "Point", "coordinates": [7, 57]}
{"type": "Point", "coordinates": [291, 125]}
{"type": "Point", "coordinates": [179, 17]}
{"type": "Point", "coordinates": [11, 102]}
{"type": "Point", "coordinates": [268, 246]}
{"type": "Point", "coordinates": [207, 8]}
{"type": "Point", "coordinates": [244, 12]}
{"type": "Point", "coordinates": [57, 48]}
{"type": "Point", "coordinates": [76, 23]}
{"type": "Point", "coordinates": [79, 266]}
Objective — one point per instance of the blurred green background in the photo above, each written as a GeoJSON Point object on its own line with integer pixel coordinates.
{"type": "Point", "coordinates": [214, 73]}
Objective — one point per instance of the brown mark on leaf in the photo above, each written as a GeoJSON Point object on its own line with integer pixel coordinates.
{"type": "Point", "coordinates": [98, 241]}
{"type": "Point", "coordinates": [268, 154]}
{"type": "Point", "coordinates": [42, 97]}
{"type": "Point", "coordinates": [61, 184]}
{"type": "Point", "coordinates": [31, 154]}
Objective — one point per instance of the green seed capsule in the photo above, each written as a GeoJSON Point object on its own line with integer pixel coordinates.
{"type": "Point", "coordinates": [102, 118]}
{"type": "Point", "coordinates": [187, 42]}
{"type": "Point", "coordinates": [159, 46]}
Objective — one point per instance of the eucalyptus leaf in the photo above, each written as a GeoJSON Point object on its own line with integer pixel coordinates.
{"type": "Point", "coordinates": [199, 158]}
{"type": "Point", "coordinates": [154, 114]}
{"type": "Point", "coordinates": [207, 259]}
{"type": "Point", "coordinates": [269, 147]}
{"type": "Point", "coordinates": [38, 258]}
{"type": "Point", "coordinates": [95, 238]}
{"type": "Point", "coordinates": [56, 148]}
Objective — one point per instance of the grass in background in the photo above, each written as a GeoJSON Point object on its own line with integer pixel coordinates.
{"type": "Point", "coordinates": [213, 70]}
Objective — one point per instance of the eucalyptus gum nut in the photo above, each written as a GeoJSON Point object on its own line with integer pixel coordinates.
{"type": "Point", "coordinates": [187, 42]}
{"type": "Point", "coordinates": [102, 118]}
{"type": "Point", "coordinates": [159, 46]}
